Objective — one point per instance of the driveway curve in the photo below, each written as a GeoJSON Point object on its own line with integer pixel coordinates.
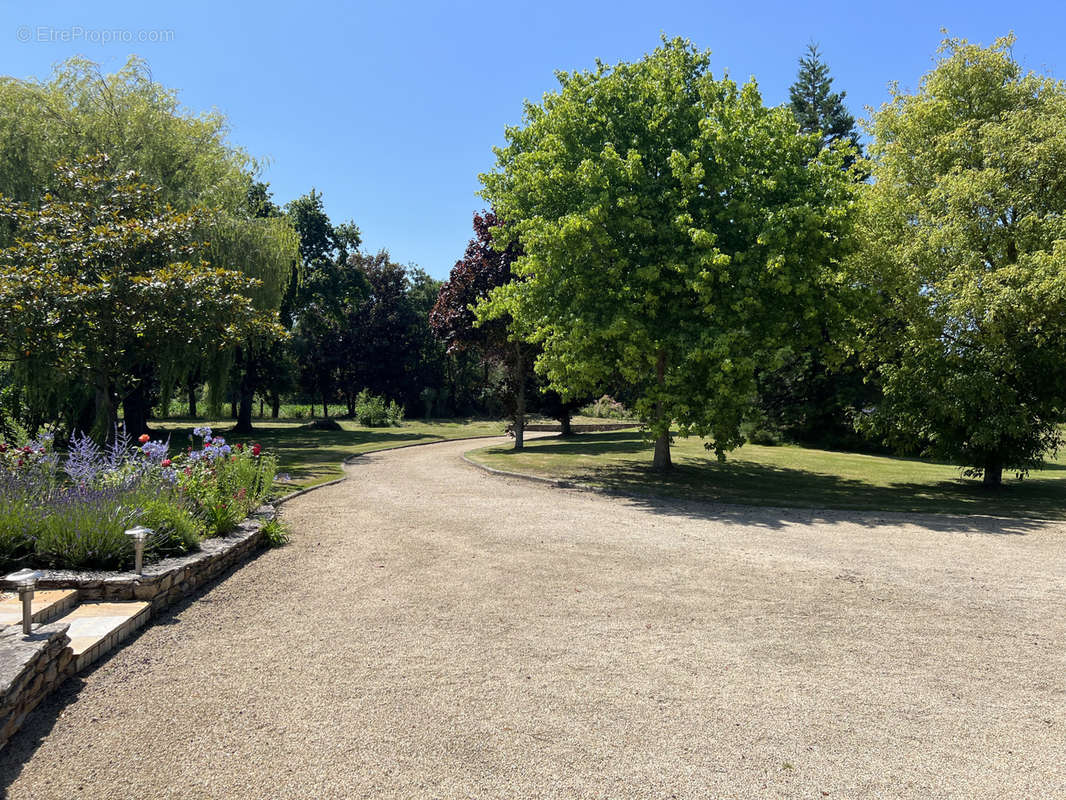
{"type": "Point", "coordinates": [434, 631]}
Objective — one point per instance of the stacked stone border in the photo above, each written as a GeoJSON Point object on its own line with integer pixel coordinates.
{"type": "Point", "coordinates": [32, 666]}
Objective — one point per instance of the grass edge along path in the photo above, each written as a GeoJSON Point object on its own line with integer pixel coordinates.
{"type": "Point", "coordinates": [311, 457]}
{"type": "Point", "coordinates": [783, 476]}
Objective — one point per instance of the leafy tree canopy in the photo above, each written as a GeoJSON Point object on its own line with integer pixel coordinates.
{"type": "Point", "coordinates": [102, 277]}
{"type": "Point", "coordinates": [139, 123]}
{"type": "Point", "coordinates": [964, 235]}
{"type": "Point", "coordinates": [676, 232]}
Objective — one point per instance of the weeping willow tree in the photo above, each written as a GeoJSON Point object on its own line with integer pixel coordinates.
{"type": "Point", "coordinates": [267, 249]}
{"type": "Point", "coordinates": [102, 278]}
{"type": "Point", "coordinates": [141, 126]}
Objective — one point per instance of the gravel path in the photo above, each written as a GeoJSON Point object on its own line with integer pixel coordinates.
{"type": "Point", "coordinates": [434, 631]}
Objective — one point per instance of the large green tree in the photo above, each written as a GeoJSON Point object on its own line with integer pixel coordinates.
{"type": "Point", "coordinates": [676, 233]}
{"type": "Point", "coordinates": [101, 277]}
{"type": "Point", "coordinates": [329, 290]}
{"type": "Point", "coordinates": [80, 112]}
{"type": "Point", "coordinates": [813, 397]}
{"type": "Point", "coordinates": [964, 233]}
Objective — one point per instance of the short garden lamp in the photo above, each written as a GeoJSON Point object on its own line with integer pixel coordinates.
{"type": "Point", "coordinates": [25, 581]}
{"type": "Point", "coordinates": [139, 535]}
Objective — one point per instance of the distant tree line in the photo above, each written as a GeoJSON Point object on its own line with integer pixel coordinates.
{"type": "Point", "coordinates": [727, 269]}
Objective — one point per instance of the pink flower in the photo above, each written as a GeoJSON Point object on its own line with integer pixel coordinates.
{"type": "Point", "coordinates": [144, 437]}
{"type": "Point", "coordinates": [167, 462]}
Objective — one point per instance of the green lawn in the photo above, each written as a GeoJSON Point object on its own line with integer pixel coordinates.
{"type": "Point", "coordinates": [313, 456]}
{"type": "Point", "coordinates": [783, 476]}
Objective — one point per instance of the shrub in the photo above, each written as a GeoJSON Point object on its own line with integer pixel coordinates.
{"type": "Point", "coordinates": [372, 411]}
{"type": "Point", "coordinates": [175, 529]}
{"type": "Point", "coordinates": [276, 533]}
{"type": "Point", "coordinates": [606, 408]}
{"type": "Point", "coordinates": [225, 482]}
{"type": "Point", "coordinates": [73, 515]}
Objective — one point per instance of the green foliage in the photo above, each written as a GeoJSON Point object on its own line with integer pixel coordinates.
{"type": "Point", "coordinates": [102, 278]}
{"type": "Point", "coordinates": [80, 112]}
{"type": "Point", "coordinates": [817, 108]}
{"type": "Point", "coordinates": [964, 260]}
{"type": "Point", "coordinates": [677, 235]}
{"type": "Point", "coordinates": [606, 408]}
{"type": "Point", "coordinates": [373, 412]}
{"type": "Point", "coordinates": [175, 528]}
{"type": "Point", "coordinates": [226, 485]}
{"type": "Point", "coordinates": [276, 533]}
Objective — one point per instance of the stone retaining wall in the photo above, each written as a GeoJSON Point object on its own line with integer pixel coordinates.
{"type": "Point", "coordinates": [30, 667]}
{"type": "Point", "coordinates": [168, 581]}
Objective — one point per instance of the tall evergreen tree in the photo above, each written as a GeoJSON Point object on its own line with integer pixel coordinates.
{"type": "Point", "coordinates": [816, 107]}
{"type": "Point", "coordinates": [814, 395]}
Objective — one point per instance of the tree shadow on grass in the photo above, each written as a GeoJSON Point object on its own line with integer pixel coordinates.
{"type": "Point", "coordinates": [774, 496]}
{"type": "Point", "coordinates": [599, 444]}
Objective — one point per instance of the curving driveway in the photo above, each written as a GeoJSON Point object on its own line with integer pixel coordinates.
{"type": "Point", "coordinates": [434, 631]}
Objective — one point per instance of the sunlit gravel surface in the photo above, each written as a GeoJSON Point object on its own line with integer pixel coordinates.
{"type": "Point", "coordinates": [436, 632]}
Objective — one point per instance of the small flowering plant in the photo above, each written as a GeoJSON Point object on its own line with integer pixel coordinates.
{"type": "Point", "coordinates": [71, 512]}
{"type": "Point", "coordinates": [225, 481]}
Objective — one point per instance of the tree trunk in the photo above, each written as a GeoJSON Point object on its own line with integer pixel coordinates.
{"type": "Point", "coordinates": [564, 423]}
{"type": "Point", "coordinates": [661, 461]}
{"type": "Point", "coordinates": [192, 398]}
{"type": "Point", "coordinates": [519, 399]}
{"type": "Point", "coordinates": [135, 411]}
{"type": "Point", "coordinates": [261, 403]}
{"type": "Point", "coordinates": [106, 418]}
{"type": "Point", "coordinates": [325, 407]}
{"type": "Point", "coordinates": [233, 408]}
{"type": "Point", "coordinates": [993, 476]}
{"type": "Point", "coordinates": [275, 405]}
{"type": "Point", "coordinates": [351, 405]}
{"type": "Point", "coordinates": [244, 411]}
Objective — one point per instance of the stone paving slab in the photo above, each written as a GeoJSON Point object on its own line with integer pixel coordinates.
{"type": "Point", "coordinates": [47, 605]}
{"type": "Point", "coordinates": [97, 628]}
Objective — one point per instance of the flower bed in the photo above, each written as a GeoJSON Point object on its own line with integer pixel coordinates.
{"type": "Point", "coordinates": [71, 512]}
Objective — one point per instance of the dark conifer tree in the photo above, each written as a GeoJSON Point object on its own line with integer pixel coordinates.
{"type": "Point", "coordinates": [817, 108]}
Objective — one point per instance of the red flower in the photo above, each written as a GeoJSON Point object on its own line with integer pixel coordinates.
{"type": "Point", "coordinates": [3, 447]}
{"type": "Point", "coordinates": [27, 450]}
{"type": "Point", "coordinates": [144, 437]}
{"type": "Point", "coordinates": [167, 462]}
{"type": "Point", "coordinates": [256, 449]}
{"type": "Point", "coordinates": [240, 446]}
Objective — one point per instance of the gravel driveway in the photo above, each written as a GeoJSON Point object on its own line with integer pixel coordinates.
{"type": "Point", "coordinates": [434, 631]}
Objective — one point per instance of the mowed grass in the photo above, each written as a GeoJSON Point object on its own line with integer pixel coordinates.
{"type": "Point", "coordinates": [783, 476]}
{"type": "Point", "coordinates": [311, 456]}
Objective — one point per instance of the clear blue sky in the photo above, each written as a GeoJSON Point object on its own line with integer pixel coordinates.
{"type": "Point", "coordinates": [391, 109]}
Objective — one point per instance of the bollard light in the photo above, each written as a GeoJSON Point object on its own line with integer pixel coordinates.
{"type": "Point", "coordinates": [139, 535]}
{"type": "Point", "coordinates": [25, 581]}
